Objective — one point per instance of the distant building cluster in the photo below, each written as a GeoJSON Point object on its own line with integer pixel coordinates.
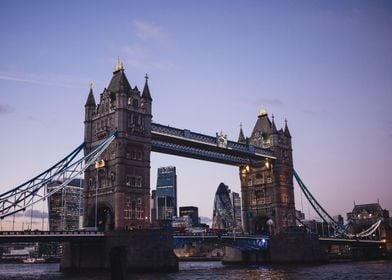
{"type": "Point", "coordinates": [227, 213]}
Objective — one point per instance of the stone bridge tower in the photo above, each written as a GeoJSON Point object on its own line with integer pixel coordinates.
{"type": "Point", "coordinates": [267, 186]}
{"type": "Point", "coordinates": [117, 188]}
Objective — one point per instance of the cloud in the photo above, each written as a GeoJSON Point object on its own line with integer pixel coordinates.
{"type": "Point", "coordinates": [149, 31]}
{"type": "Point", "coordinates": [275, 102]}
{"type": "Point", "coordinates": [135, 55]}
{"type": "Point", "coordinates": [205, 220]}
{"type": "Point", "coordinates": [36, 214]}
{"type": "Point", "coordinates": [61, 81]}
{"type": "Point", "coordinates": [5, 109]}
{"type": "Point", "coordinates": [148, 47]}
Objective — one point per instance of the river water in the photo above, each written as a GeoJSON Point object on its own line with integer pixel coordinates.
{"type": "Point", "coordinates": [216, 271]}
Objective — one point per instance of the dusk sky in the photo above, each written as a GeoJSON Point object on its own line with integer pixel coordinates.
{"type": "Point", "coordinates": [326, 66]}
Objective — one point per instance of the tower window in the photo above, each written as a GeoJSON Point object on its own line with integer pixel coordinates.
{"type": "Point", "coordinates": [135, 103]}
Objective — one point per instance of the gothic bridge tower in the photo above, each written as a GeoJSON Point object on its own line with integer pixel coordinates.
{"type": "Point", "coordinates": [267, 185]}
{"type": "Point", "coordinates": [117, 188]}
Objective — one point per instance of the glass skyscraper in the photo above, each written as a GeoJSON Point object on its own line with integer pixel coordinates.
{"type": "Point", "coordinates": [165, 196]}
{"type": "Point", "coordinates": [237, 213]}
{"type": "Point", "coordinates": [223, 209]}
{"type": "Point", "coordinates": [65, 206]}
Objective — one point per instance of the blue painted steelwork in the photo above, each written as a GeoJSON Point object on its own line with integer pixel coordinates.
{"type": "Point", "coordinates": [33, 191]}
{"type": "Point", "coordinates": [243, 243]}
{"type": "Point", "coordinates": [339, 230]}
{"type": "Point", "coordinates": [183, 142]}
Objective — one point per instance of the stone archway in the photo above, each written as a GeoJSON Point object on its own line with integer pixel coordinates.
{"type": "Point", "coordinates": [105, 219]}
{"type": "Point", "coordinates": [260, 225]}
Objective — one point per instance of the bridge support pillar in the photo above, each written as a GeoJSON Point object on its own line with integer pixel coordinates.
{"type": "Point", "coordinates": [236, 256]}
{"type": "Point", "coordinates": [296, 247]}
{"type": "Point", "coordinates": [140, 250]}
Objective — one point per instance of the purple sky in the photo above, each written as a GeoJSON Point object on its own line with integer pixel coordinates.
{"type": "Point", "coordinates": [325, 65]}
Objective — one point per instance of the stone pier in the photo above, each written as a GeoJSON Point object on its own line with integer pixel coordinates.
{"type": "Point", "coordinates": [283, 248]}
{"type": "Point", "coordinates": [137, 250]}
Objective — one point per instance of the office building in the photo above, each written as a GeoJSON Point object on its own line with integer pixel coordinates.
{"type": "Point", "coordinates": [223, 209]}
{"type": "Point", "coordinates": [237, 214]}
{"type": "Point", "coordinates": [65, 206]}
{"type": "Point", "coordinates": [192, 212]}
{"type": "Point", "coordinates": [165, 203]}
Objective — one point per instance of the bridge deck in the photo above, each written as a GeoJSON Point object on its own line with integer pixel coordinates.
{"type": "Point", "coordinates": [49, 236]}
{"type": "Point", "coordinates": [183, 142]}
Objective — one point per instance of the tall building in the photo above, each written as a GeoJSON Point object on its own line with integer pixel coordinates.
{"type": "Point", "coordinates": [120, 185]}
{"type": "Point", "coordinates": [237, 213]}
{"type": "Point", "coordinates": [192, 212]}
{"type": "Point", "coordinates": [267, 188]}
{"type": "Point", "coordinates": [166, 193]}
{"type": "Point", "coordinates": [65, 206]}
{"type": "Point", "coordinates": [222, 217]}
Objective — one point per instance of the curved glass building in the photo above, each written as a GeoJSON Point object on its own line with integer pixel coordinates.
{"type": "Point", "coordinates": [223, 209]}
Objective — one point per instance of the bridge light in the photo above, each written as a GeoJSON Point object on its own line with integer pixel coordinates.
{"type": "Point", "coordinates": [244, 170]}
{"type": "Point", "coordinates": [100, 164]}
{"type": "Point", "coordinates": [267, 164]}
{"type": "Point", "coordinates": [263, 240]}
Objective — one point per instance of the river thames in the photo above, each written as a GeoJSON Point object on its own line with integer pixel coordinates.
{"type": "Point", "coordinates": [381, 269]}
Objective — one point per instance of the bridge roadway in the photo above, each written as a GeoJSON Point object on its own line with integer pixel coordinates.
{"type": "Point", "coordinates": [49, 236]}
{"type": "Point", "coordinates": [82, 235]}
{"type": "Point", "coordinates": [183, 142]}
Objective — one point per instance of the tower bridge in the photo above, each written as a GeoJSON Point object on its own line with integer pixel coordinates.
{"type": "Point", "coordinates": [119, 136]}
{"type": "Point", "coordinates": [264, 160]}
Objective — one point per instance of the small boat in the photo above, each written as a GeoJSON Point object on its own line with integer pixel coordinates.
{"type": "Point", "coordinates": [34, 260]}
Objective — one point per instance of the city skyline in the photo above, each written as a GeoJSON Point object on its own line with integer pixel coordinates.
{"type": "Point", "coordinates": [323, 66]}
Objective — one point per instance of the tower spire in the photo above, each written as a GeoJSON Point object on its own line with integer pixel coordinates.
{"type": "Point", "coordinates": [90, 99]}
{"type": "Point", "coordinates": [119, 65]}
{"type": "Point", "coordinates": [273, 126]}
{"type": "Point", "coordinates": [286, 129]}
{"type": "Point", "coordinates": [146, 90]}
{"type": "Point", "coordinates": [241, 137]}
{"type": "Point", "coordinates": [262, 112]}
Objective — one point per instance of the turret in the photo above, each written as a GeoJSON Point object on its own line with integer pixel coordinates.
{"type": "Point", "coordinates": [286, 129]}
{"type": "Point", "coordinates": [241, 137]}
{"type": "Point", "coordinates": [146, 96]}
{"type": "Point", "coordinates": [89, 111]}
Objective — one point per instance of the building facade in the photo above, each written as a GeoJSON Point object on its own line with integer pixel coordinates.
{"type": "Point", "coordinates": [267, 186]}
{"type": "Point", "coordinates": [65, 207]}
{"type": "Point", "coordinates": [192, 212]}
{"type": "Point", "coordinates": [222, 217]}
{"type": "Point", "coordinates": [117, 191]}
{"type": "Point", "coordinates": [237, 212]}
{"type": "Point", "coordinates": [166, 193]}
{"type": "Point", "coordinates": [363, 216]}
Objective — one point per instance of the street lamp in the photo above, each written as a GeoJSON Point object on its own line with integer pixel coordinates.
{"type": "Point", "coordinates": [98, 164]}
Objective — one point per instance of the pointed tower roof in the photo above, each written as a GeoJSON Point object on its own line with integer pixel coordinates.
{"type": "Point", "coordinates": [146, 91]}
{"type": "Point", "coordinates": [273, 126]}
{"type": "Point", "coordinates": [241, 137]}
{"type": "Point", "coordinates": [119, 82]}
{"type": "Point", "coordinates": [263, 123]}
{"type": "Point", "coordinates": [90, 99]}
{"type": "Point", "coordinates": [286, 129]}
